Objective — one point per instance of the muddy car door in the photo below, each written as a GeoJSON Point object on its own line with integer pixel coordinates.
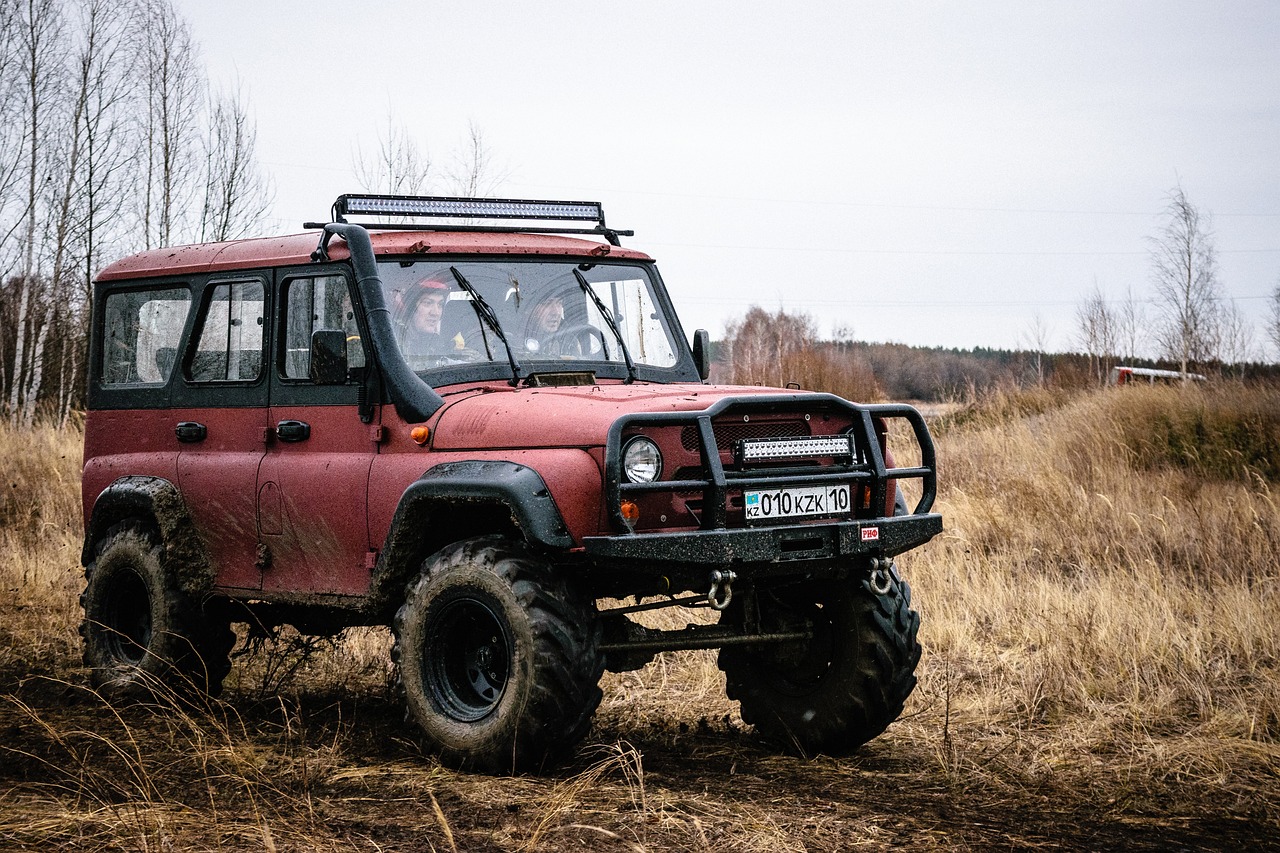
{"type": "Point", "coordinates": [313, 484]}
{"type": "Point", "coordinates": [220, 415]}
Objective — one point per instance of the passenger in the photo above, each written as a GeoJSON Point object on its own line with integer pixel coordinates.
{"type": "Point", "coordinates": [418, 324]}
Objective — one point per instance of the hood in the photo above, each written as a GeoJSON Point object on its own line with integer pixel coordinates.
{"type": "Point", "coordinates": [577, 416]}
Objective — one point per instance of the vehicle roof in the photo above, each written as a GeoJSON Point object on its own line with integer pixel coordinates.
{"type": "Point", "coordinates": [297, 248]}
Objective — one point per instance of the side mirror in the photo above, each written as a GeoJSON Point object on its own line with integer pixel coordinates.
{"type": "Point", "coordinates": [328, 356]}
{"type": "Point", "coordinates": [702, 353]}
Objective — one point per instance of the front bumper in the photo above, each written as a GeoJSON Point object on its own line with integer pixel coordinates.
{"type": "Point", "coordinates": [882, 537]}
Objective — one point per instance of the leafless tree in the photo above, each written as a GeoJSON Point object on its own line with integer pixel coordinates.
{"type": "Point", "coordinates": [94, 160]}
{"type": "Point", "coordinates": [473, 173]}
{"type": "Point", "coordinates": [12, 126]}
{"type": "Point", "coordinates": [398, 166]}
{"type": "Point", "coordinates": [174, 87]}
{"type": "Point", "coordinates": [1131, 326]}
{"type": "Point", "coordinates": [1097, 328]}
{"type": "Point", "coordinates": [1236, 343]}
{"type": "Point", "coordinates": [761, 344]}
{"type": "Point", "coordinates": [1273, 320]}
{"type": "Point", "coordinates": [100, 105]}
{"type": "Point", "coordinates": [1185, 275]}
{"type": "Point", "coordinates": [236, 194]}
{"type": "Point", "coordinates": [1036, 340]}
{"type": "Point", "coordinates": [38, 27]}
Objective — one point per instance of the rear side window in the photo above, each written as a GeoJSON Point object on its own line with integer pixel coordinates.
{"type": "Point", "coordinates": [318, 303]}
{"type": "Point", "coordinates": [229, 348]}
{"type": "Point", "coordinates": [141, 331]}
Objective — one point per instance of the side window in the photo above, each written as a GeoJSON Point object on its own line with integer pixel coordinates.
{"type": "Point", "coordinates": [311, 304]}
{"type": "Point", "coordinates": [140, 335]}
{"type": "Point", "coordinates": [229, 348]}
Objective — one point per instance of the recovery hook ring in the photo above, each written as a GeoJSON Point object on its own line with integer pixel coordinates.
{"type": "Point", "coordinates": [721, 588]}
{"type": "Point", "coordinates": [881, 578]}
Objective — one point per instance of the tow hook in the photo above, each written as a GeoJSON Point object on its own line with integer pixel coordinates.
{"type": "Point", "coordinates": [721, 588]}
{"type": "Point", "coordinates": [882, 572]}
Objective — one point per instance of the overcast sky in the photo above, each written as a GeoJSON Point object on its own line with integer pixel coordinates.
{"type": "Point", "coordinates": [928, 173]}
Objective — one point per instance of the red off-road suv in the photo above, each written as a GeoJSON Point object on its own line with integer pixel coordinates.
{"type": "Point", "coordinates": [496, 440]}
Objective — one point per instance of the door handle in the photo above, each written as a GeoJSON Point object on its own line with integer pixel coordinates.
{"type": "Point", "coordinates": [293, 430]}
{"type": "Point", "coordinates": [190, 432]}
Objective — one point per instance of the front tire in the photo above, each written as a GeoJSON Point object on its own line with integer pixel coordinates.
{"type": "Point", "coordinates": [838, 690]}
{"type": "Point", "coordinates": [140, 631]}
{"type": "Point", "coordinates": [498, 657]}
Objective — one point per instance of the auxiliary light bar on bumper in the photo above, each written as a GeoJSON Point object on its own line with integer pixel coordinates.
{"type": "Point", "coordinates": [717, 543]}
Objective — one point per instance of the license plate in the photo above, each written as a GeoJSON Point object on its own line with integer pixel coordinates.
{"type": "Point", "coordinates": [798, 502]}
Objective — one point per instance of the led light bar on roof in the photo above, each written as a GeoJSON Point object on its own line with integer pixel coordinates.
{"type": "Point", "coordinates": [754, 450]}
{"type": "Point", "coordinates": [468, 208]}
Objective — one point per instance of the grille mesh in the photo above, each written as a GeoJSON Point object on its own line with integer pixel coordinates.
{"type": "Point", "coordinates": [727, 434]}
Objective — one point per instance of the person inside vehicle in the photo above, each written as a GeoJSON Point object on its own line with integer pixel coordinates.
{"type": "Point", "coordinates": [419, 313]}
{"type": "Point", "coordinates": [545, 324]}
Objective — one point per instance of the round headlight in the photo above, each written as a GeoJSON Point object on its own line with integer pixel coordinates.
{"type": "Point", "coordinates": [641, 460]}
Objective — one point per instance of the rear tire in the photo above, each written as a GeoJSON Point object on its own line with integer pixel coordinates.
{"type": "Point", "coordinates": [498, 657]}
{"type": "Point", "coordinates": [140, 631]}
{"type": "Point", "coordinates": [843, 687]}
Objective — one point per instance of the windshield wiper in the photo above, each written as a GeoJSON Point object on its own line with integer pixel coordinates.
{"type": "Point", "coordinates": [485, 313]}
{"type": "Point", "coordinates": [608, 318]}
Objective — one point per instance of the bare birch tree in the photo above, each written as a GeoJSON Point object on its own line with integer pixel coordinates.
{"type": "Point", "coordinates": [236, 194]}
{"type": "Point", "coordinates": [174, 89]}
{"type": "Point", "coordinates": [397, 166]}
{"type": "Point", "coordinates": [473, 173]}
{"type": "Point", "coordinates": [38, 25]}
{"type": "Point", "coordinates": [1273, 320]}
{"type": "Point", "coordinates": [1185, 275]}
{"type": "Point", "coordinates": [101, 104]}
{"type": "Point", "coordinates": [1131, 326]}
{"type": "Point", "coordinates": [1037, 340]}
{"type": "Point", "coordinates": [1236, 343]}
{"type": "Point", "coordinates": [1096, 329]}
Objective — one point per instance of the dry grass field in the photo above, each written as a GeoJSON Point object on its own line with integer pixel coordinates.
{"type": "Point", "coordinates": [1101, 670]}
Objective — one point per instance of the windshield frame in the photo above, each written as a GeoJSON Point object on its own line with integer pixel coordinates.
{"type": "Point", "coordinates": [499, 368]}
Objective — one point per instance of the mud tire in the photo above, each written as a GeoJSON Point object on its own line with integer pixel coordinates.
{"type": "Point", "coordinates": [140, 631]}
{"type": "Point", "coordinates": [833, 693]}
{"type": "Point", "coordinates": [498, 657]}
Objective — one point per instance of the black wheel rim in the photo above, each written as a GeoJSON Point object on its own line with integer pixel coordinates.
{"type": "Point", "coordinates": [468, 659]}
{"type": "Point", "coordinates": [126, 619]}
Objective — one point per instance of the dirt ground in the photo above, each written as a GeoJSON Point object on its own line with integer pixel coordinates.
{"type": "Point", "coordinates": [328, 769]}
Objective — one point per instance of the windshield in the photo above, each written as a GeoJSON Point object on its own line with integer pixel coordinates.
{"type": "Point", "coordinates": [541, 308]}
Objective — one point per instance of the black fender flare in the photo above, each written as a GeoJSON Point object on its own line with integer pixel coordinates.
{"type": "Point", "coordinates": [185, 556]}
{"type": "Point", "coordinates": [445, 490]}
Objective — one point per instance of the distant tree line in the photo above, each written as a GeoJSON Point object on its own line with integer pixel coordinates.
{"type": "Point", "coordinates": [781, 348]}
{"type": "Point", "coordinates": [111, 140]}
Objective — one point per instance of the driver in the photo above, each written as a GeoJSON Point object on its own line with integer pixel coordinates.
{"type": "Point", "coordinates": [546, 321]}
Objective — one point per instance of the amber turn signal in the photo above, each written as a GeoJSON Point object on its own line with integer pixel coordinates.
{"type": "Point", "coordinates": [630, 511]}
{"type": "Point", "coordinates": [420, 435]}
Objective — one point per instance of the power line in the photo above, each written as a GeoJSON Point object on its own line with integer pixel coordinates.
{"type": "Point", "coordinates": [886, 205]}
{"type": "Point", "coordinates": [930, 252]}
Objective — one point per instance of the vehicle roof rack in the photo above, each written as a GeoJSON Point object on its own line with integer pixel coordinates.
{"type": "Point", "coordinates": [455, 207]}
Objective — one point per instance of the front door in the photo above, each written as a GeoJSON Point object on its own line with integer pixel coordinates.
{"type": "Point", "coordinates": [313, 482]}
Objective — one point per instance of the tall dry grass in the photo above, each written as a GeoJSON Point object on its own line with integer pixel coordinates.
{"type": "Point", "coordinates": [1104, 599]}
{"type": "Point", "coordinates": [1098, 619]}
